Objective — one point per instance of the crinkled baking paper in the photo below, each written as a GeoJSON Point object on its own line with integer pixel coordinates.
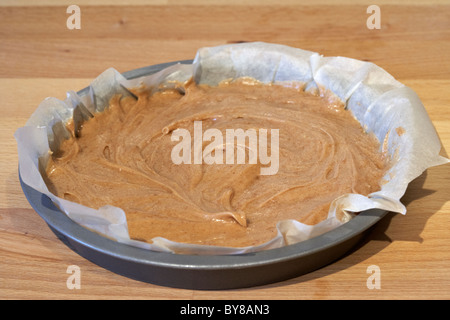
{"type": "Point", "coordinates": [379, 102]}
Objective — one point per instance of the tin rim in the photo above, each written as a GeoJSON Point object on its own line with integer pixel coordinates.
{"type": "Point", "coordinates": [201, 271]}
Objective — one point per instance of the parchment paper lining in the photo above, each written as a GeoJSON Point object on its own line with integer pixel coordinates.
{"type": "Point", "coordinates": [379, 102]}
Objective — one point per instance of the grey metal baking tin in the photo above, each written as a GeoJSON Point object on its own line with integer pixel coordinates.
{"type": "Point", "coordinates": [208, 272]}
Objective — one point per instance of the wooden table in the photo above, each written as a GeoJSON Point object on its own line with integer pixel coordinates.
{"type": "Point", "coordinates": [40, 57]}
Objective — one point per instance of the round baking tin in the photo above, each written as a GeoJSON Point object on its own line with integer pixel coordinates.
{"type": "Point", "coordinates": [197, 271]}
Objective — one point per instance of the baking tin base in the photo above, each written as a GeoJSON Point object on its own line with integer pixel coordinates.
{"type": "Point", "coordinates": [196, 271]}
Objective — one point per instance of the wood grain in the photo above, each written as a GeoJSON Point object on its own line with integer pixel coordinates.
{"type": "Point", "coordinates": [40, 57]}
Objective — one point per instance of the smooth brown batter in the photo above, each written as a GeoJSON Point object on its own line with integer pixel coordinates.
{"type": "Point", "coordinates": [123, 158]}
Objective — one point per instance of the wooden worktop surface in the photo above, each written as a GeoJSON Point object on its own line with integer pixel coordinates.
{"type": "Point", "coordinates": [40, 57]}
